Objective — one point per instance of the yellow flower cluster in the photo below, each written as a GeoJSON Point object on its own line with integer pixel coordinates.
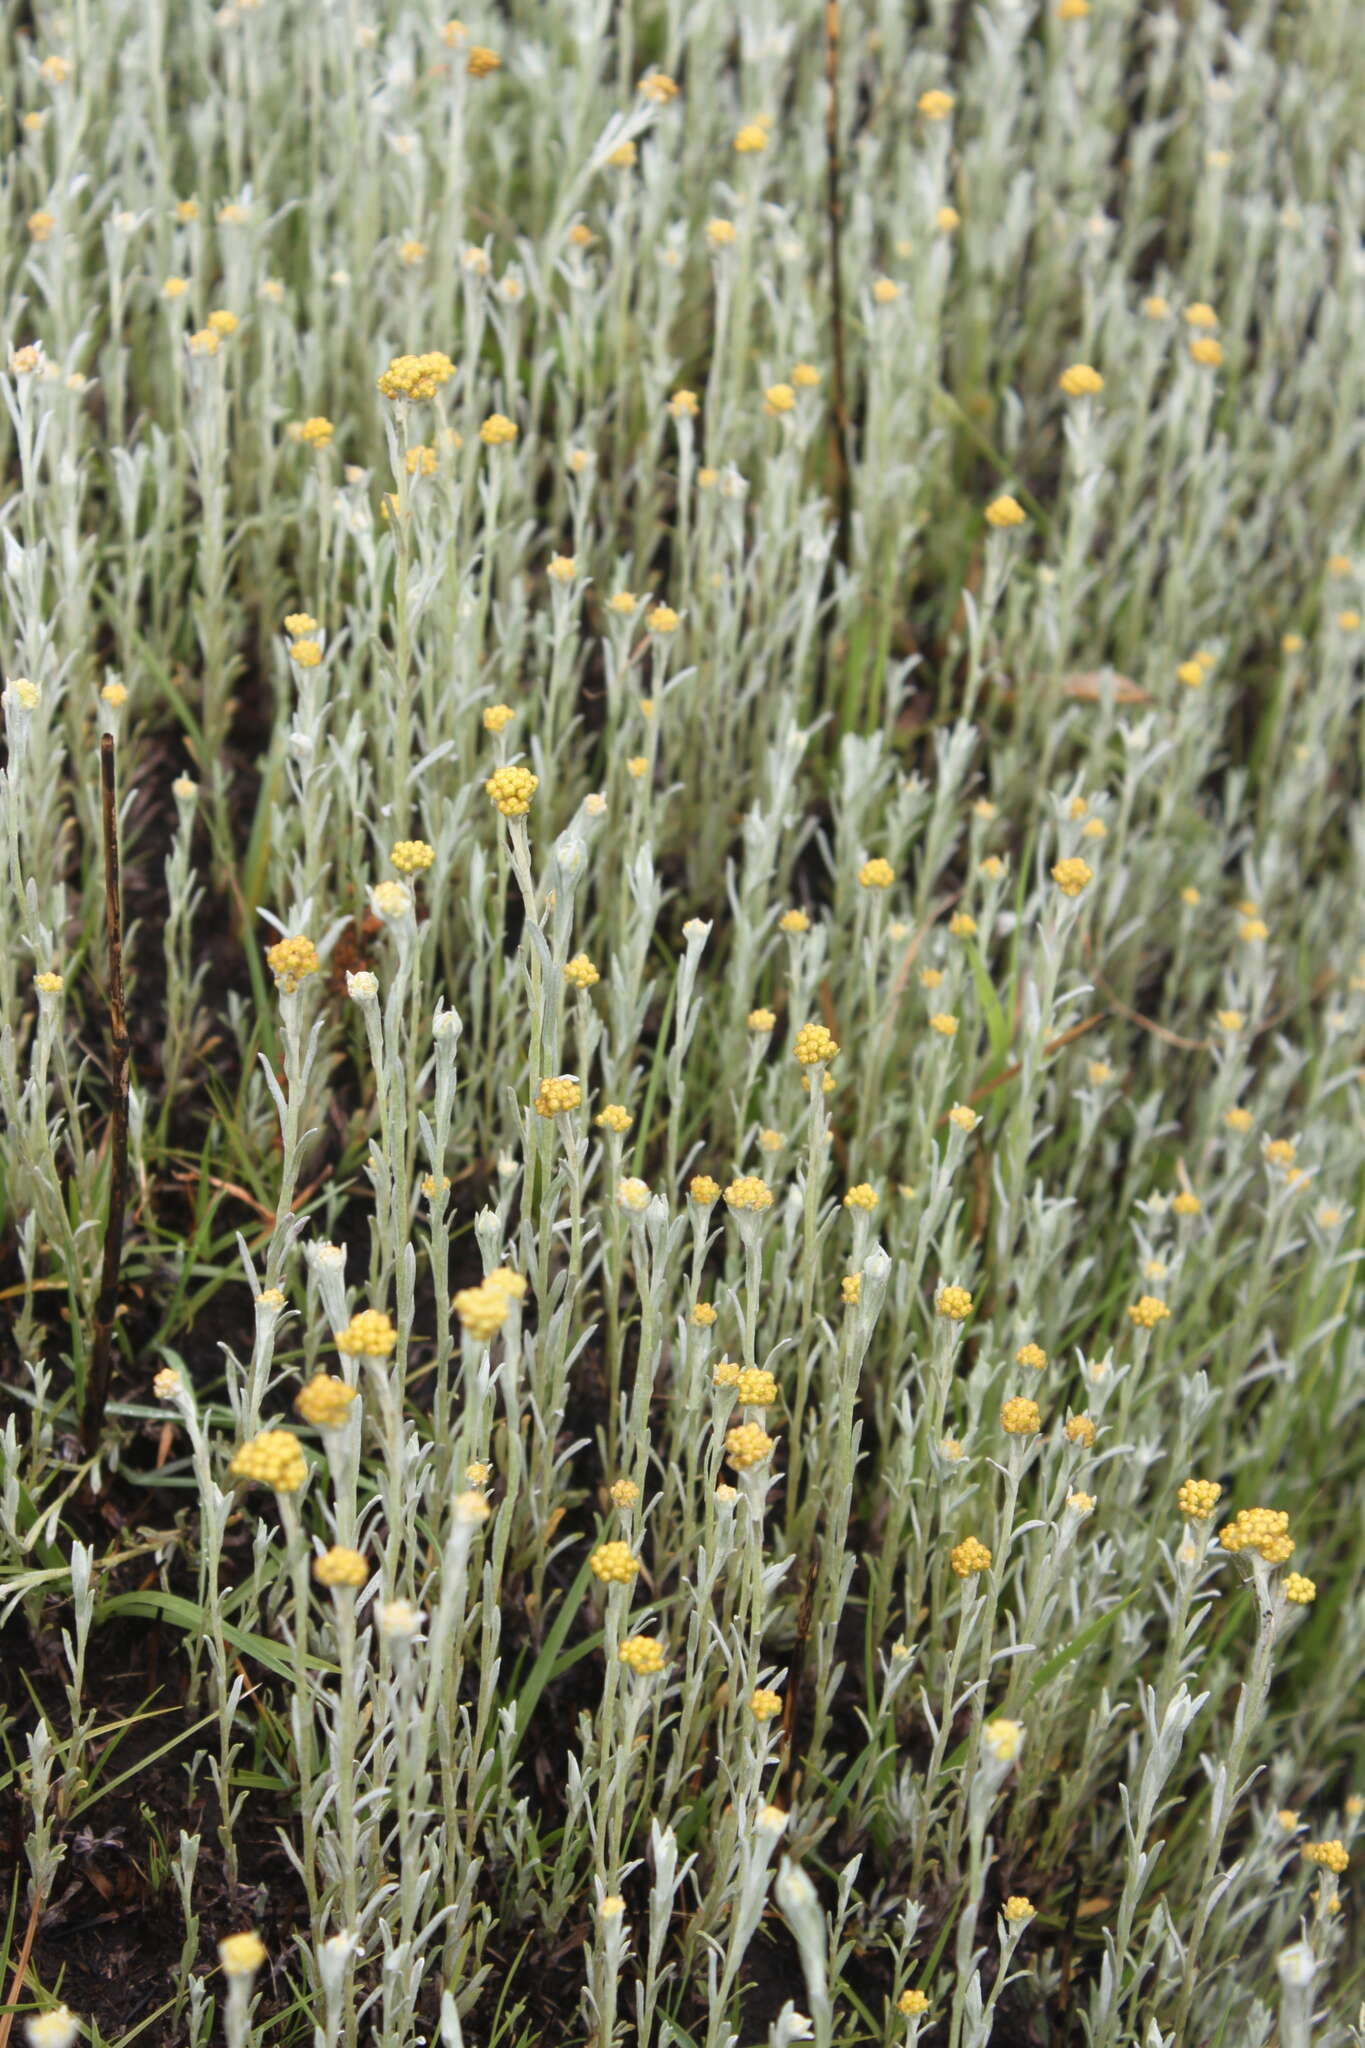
{"type": "Point", "coordinates": [765, 1705]}
{"type": "Point", "coordinates": [1031, 1355]}
{"type": "Point", "coordinates": [1301, 1591]}
{"type": "Point", "coordinates": [703, 1190]}
{"type": "Point", "coordinates": [1333, 1856]}
{"type": "Point", "coordinates": [1080, 1430]}
{"type": "Point", "coordinates": [1005, 511]}
{"type": "Point", "coordinates": [340, 1567]}
{"type": "Point", "coordinates": [1021, 1417]}
{"type": "Point", "coordinates": [241, 1955]}
{"type": "Point", "coordinates": [1079, 380]}
{"type": "Point", "coordinates": [482, 1310]}
{"type": "Point", "coordinates": [912, 2004]}
{"type": "Point", "coordinates": [953, 1302]}
{"type": "Point", "coordinates": [1072, 875]}
{"type": "Point", "coordinates": [580, 972]}
{"type": "Point", "coordinates": [1018, 1909]}
{"type": "Point", "coordinates": [510, 790]}
{"type": "Point", "coordinates": [747, 1445]}
{"type": "Point", "coordinates": [1004, 1739]}
{"type": "Point", "coordinates": [1264, 1530]}
{"type": "Point", "coordinates": [861, 1196]}
{"type": "Point", "coordinates": [390, 899]}
{"type": "Point", "coordinates": [644, 1655]}
{"type": "Point", "coordinates": [756, 1388]}
{"type": "Point", "coordinates": [1198, 1498]}
{"type": "Point", "coordinates": [416, 377]}
{"type": "Point", "coordinates": [614, 1116]}
{"type": "Point", "coordinates": [969, 1557]}
{"type": "Point", "coordinates": [498, 431]}
{"type": "Point", "coordinates": [614, 1564]}
{"type": "Point", "coordinates": [498, 717]}
{"type": "Point", "coordinates": [370, 1334]}
{"type": "Point", "coordinates": [271, 1458]}
{"type": "Point", "coordinates": [289, 960]}
{"type": "Point", "coordinates": [558, 1095]}
{"type": "Point", "coordinates": [876, 873]}
{"type": "Point", "coordinates": [813, 1044]}
{"type": "Point", "coordinates": [324, 1401]}
{"type": "Point", "coordinates": [748, 1192]}
{"type": "Point", "coordinates": [412, 856]}
{"type": "Point", "coordinates": [1147, 1312]}
{"type": "Point", "coordinates": [761, 1020]}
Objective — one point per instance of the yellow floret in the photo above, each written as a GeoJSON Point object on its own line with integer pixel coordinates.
{"type": "Point", "coordinates": [1073, 875]}
{"type": "Point", "coordinates": [953, 1302]}
{"type": "Point", "coordinates": [814, 1044]}
{"type": "Point", "coordinates": [272, 1458]}
{"type": "Point", "coordinates": [510, 790]}
{"type": "Point", "coordinates": [370, 1334]}
{"type": "Point", "coordinates": [1148, 1311]}
{"type": "Point", "coordinates": [1021, 1417]}
{"type": "Point", "coordinates": [290, 960]}
{"type": "Point", "coordinates": [325, 1401]}
{"type": "Point", "coordinates": [340, 1567]}
{"type": "Point", "coordinates": [969, 1557]}
{"type": "Point", "coordinates": [412, 856]}
{"type": "Point", "coordinates": [644, 1655]}
{"type": "Point", "coordinates": [416, 377]}
{"type": "Point", "coordinates": [747, 1445]}
{"type": "Point", "coordinates": [557, 1096]}
{"type": "Point", "coordinates": [614, 1564]}
{"type": "Point", "coordinates": [481, 1310]}
{"type": "Point", "coordinates": [1005, 511]}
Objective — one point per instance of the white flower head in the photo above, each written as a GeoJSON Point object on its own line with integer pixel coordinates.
{"type": "Point", "coordinates": [55, 2029]}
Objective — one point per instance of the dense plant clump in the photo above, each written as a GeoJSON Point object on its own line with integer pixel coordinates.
{"type": "Point", "coordinates": [681, 1355]}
